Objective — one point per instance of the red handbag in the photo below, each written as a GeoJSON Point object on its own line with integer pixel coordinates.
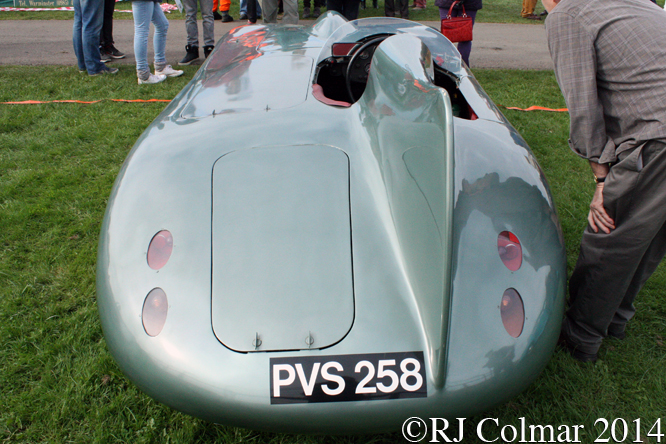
{"type": "Point", "coordinates": [457, 29]}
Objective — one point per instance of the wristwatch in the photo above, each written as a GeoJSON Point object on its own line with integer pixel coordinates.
{"type": "Point", "coordinates": [599, 179]}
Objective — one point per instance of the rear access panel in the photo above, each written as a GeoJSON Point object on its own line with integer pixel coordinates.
{"type": "Point", "coordinates": [282, 267]}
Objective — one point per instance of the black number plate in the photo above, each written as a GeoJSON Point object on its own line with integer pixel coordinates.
{"type": "Point", "coordinates": [347, 378]}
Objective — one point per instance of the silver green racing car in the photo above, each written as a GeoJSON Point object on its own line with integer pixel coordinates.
{"type": "Point", "coordinates": [331, 229]}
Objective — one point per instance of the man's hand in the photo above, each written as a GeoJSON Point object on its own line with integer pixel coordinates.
{"type": "Point", "coordinates": [598, 218]}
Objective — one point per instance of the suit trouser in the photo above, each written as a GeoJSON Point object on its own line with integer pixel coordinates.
{"type": "Point", "coordinates": [528, 8]}
{"type": "Point", "coordinates": [612, 268]}
{"type": "Point", "coordinates": [402, 7]}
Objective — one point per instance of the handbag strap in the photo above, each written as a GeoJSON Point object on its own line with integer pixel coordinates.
{"type": "Point", "coordinates": [451, 9]}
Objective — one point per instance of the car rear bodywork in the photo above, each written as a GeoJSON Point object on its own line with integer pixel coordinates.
{"type": "Point", "coordinates": [338, 249]}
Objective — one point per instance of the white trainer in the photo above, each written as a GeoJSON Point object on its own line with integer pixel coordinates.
{"type": "Point", "coordinates": [153, 78]}
{"type": "Point", "coordinates": [169, 72]}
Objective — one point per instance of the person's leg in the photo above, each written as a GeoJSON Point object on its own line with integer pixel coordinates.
{"type": "Point", "coordinates": [92, 14]}
{"type": "Point", "coordinates": [209, 21]}
{"type": "Point", "coordinates": [191, 28]}
{"type": "Point", "coordinates": [290, 12]}
{"type": "Point", "coordinates": [270, 8]}
{"type": "Point", "coordinates": [143, 12]}
{"type": "Point", "coordinates": [612, 268]}
{"type": "Point", "coordinates": [528, 8]}
{"type": "Point", "coordinates": [351, 9]}
{"type": "Point", "coordinates": [389, 8]}
{"type": "Point", "coordinates": [404, 9]}
{"type": "Point", "coordinates": [77, 36]}
{"type": "Point", "coordinates": [159, 38]}
{"type": "Point", "coordinates": [334, 5]}
{"type": "Point", "coordinates": [651, 260]}
{"type": "Point", "coordinates": [465, 48]}
{"type": "Point", "coordinates": [106, 37]}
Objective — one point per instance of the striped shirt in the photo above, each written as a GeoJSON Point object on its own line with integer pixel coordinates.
{"type": "Point", "coordinates": [610, 63]}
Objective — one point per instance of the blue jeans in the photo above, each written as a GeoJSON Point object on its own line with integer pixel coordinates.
{"type": "Point", "coordinates": [144, 13]}
{"type": "Point", "coordinates": [243, 7]}
{"type": "Point", "coordinates": [88, 17]}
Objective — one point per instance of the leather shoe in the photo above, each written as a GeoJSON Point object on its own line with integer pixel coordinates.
{"type": "Point", "coordinates": [574, 350]}
{"type": "Point", "coordinates": [616, 333]}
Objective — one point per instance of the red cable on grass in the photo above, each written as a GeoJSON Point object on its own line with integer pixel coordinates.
{"type": "Point", "coordinates": [538, 108]}
{"type": "Point", "coordinates": [37, 102]}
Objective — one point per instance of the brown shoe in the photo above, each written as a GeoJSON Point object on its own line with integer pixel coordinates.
{"type": "Point", "coordinates": [532, 17]}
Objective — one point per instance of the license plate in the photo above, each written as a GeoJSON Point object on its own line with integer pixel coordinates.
{"type": "Point", "coordinates": [335, 378]}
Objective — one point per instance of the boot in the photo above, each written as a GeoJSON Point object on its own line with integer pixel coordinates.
{"type": "Point", "coordinates": [208, 50]}
{"type": "Point", "coordinates": [226, 18]}
{"type": "Point", "coordinates": [191, 56]}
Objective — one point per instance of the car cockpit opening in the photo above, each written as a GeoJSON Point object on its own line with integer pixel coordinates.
{"type": "Point", "coordinates": [341, 79]}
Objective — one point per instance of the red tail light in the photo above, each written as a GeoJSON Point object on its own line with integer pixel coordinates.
{"type": "Point", "coordinates": [154, 311]}
{"type": "Point", "coordinates": [513, 312]}
{"type": "Point", "coordinates": [510, 250]}
{"type": "Point", "coordinates": [159, 250]}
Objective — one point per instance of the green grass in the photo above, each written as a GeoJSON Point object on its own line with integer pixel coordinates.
{"type": "Point", "coordinates": [58, 382]}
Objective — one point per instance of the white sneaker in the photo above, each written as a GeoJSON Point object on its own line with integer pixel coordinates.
{"type": "Point", "coordinates": [169, 72]}
{"type": "Point", "coordinates": [152, 78]}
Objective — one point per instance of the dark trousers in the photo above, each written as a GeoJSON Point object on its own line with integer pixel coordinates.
{"type": "Point", "coordinates": [612, 268]}
{"type": "Point", "coordinates": [317, 3]}
{"type": "Point", "coordinates": [348, 8]}
{"type": "Point", "coordinates": [390, 8]}
{"type": "Point", "coordinates": [106, 36]}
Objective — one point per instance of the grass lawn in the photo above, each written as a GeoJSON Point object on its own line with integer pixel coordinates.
{"type": "Point", "coordinates": [58, 382]}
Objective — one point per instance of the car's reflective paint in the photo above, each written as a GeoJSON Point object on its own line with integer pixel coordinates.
{"type": "Point", "coordinates": [369, 242]}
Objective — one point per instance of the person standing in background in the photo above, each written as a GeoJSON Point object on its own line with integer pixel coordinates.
{"type": "Point", "coordinates": [244, 13]}
{"type": "Point", "coordinates": [528, 10]}
{"type": "Point", "coordinates": [348, 8]}
{"type": "Point", "coordinates": [145, 12]}
{"type": "Point", "coordinates": [317, 9]}
{"type": "Point", "coordinates": [223, 7]}
{"type": "Point", "coordinates": [403, 8]}
{"type": "Point", "coordinates": [270, 11]}
{"type": "Point", "coordinates": [88, 16]}
{"type": "Point", "coordinates": [471, 7]}
{"type": "Point", "coordinates": [106, 48]}
{"type": "Point", "coordinates": [192, 47]}
{"type": "Point", "coordinates": [419, 4]}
